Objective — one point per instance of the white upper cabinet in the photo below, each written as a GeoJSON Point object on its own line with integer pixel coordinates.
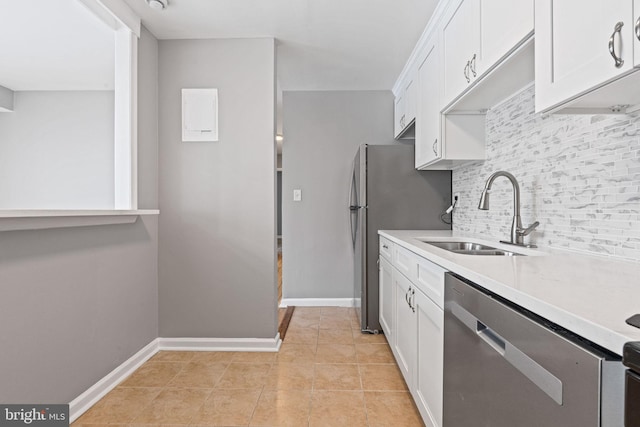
{"type": "Point", "coordinates": [460, 47]}
{"type": "Point", "coordinates": [636, 33]}
{"type": "Point", "coordinates": [428, 142]}
{"type": "Point", "coordinates": [504, 24]}
{"type": "Point", "coordinates": [580, 46]}
{"type": "Point", "coordinates": [410, 101]}
{"type": "Point", "coordinates": [398, 115]}
{"type": "Point", "coordinates": [479, 36]}
{"type": "Point", "coordinates": [405, 108]}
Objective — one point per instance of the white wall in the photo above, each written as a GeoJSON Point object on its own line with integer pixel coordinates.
{"type": "Point", "coordinates": [579, 176]}
{"type": "Point", "coordinates": [217, 199]}
{"type": "Point", "coordinates": [56, 151]}
{"type": "Point", "coordinates": [322, 131]}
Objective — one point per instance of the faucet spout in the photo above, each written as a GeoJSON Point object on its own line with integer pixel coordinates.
{"type": "Point", "coordinates": [517, 231]}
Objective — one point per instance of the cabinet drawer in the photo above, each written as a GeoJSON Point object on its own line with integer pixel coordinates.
{"type": "Point", "coordinates": [405, 262]}
{"type": "Point", "coordinates": [386, 248]}
{"type": "Point", "coordinates": [430, 279]}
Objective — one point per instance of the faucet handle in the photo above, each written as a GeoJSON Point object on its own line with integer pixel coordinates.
{"type": "Point", "coordinates": [529, 229]}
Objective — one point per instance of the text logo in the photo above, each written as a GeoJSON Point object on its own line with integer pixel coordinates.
{"type": "Point", "coordinates": [34, 415]}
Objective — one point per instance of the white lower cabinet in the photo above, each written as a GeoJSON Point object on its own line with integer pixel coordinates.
{"type": "Point", "coordinates": [416, 325]}
{"type": "Point", "coordinates": [427, 390]}
{"type": "Point", "coordinates": [404, 348]}
{"type": "Point", "coordinates": [387, 299]}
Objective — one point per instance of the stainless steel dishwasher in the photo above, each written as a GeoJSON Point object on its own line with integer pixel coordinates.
{"type": "Point", "coordinates": [506, 367]}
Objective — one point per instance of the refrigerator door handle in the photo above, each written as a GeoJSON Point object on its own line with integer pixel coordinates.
{"type": "Point", "coordinates": [353, 184]}
{"type": "Point", "coordinates": [353, 209]}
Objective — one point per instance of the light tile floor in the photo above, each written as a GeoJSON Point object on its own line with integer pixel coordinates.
{"type": "Point", "coordinates": [326, 374]}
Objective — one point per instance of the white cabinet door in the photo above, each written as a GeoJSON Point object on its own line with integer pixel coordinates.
{"type": "Point", "coordinates": [572, 47]}
{"type": "Point", "coordinates": [410, 102]}
{"type": "Point", "coordinates": [636, 33]}
{"type": "Point", "coordinates": [387, 299]}
{"type": "Point", "coordinates": [504, 24]}
{"type": "Point", "coordinates": [428, 143]}
{"type": "Point", "coordinates": [460, 47]}
{"type": "Point", "coordinates": [427, 391]}
{"type": "Point", "coordinates": [405, 341]}
{"type": "Point", "coordinates": [398, 115]}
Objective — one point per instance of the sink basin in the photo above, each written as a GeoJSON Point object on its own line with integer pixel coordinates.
{"type": "Point", "coordinates": [460, 246]}
{"type": "Point", "coordinates": [469, 248]}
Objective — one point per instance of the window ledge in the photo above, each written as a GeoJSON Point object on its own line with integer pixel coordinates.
{"type": "Point", "coordinates": [40, 219]}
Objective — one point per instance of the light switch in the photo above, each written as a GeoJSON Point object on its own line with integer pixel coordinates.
{"type": "Point", "coordinates": [297, 195]}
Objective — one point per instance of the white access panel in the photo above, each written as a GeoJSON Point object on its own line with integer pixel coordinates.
{"type": "Point", "coordinates": [199, 115]}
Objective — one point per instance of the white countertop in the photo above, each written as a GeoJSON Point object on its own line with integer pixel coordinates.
{"type": "Point", "coordinates": [591, 296]}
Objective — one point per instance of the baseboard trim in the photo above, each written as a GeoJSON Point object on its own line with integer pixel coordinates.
{"type": "Point", "coordinates": [318, 302]}
{"type": "Point", "coordinates": [86, 400]}
{"type": "Point", "coordinates": [220, 344]}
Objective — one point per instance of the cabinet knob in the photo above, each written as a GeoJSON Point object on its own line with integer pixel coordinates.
{"type": "Point", "coordinates": [612, 48]}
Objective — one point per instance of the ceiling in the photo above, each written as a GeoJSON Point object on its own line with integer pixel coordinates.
{"type": "Point", "coordinates": [322, 44]}
{"type": "Point", "coordinates": [54, 45]}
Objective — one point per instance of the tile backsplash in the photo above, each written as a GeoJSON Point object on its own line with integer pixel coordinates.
{"type": "Point", "coordinates": [579, 176]}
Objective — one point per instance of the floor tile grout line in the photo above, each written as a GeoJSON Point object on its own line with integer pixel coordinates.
{"type": "Point", "coordinates": [255, 408]}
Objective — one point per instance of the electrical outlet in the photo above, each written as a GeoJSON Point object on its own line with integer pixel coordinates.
{"type": "Point", "coordinates": [456, 197]}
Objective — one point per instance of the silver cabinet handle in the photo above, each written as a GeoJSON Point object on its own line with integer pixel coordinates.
{"type": "Point", "coordinates": [472, 65]}
{"type": "Point", "coordinates": [434, 148]}
{"type": "Point", "coordinates": [612, 50]}
{"type": "Point", "coordinates": [466, 72]}
{"type": "Point", "coordinates": [413, 300]}
{"type": "Point", "coordinates": [637, 29]}
{"type": "Point", "coordinates": [406, 296]}
{"type": "Point", "coordinates": [385, 246]}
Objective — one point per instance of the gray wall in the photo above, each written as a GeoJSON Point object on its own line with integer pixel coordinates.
{"type": "Point", "coordinates": [322, 131]}
{"type": "Point", "coordinates": [57, 151]}
{"type": "Point", "coordinates": [78, 302]}
{"type": "Point", "coordinates": [217, 267]}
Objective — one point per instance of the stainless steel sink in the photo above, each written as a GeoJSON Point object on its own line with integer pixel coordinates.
{"type": "Point", "coordinates": [469, 248]}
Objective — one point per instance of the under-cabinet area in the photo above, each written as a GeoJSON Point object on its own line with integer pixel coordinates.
{"type": "Point", "coordinates": [524, 320]}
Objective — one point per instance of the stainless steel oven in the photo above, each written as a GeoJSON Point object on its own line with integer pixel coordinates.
{"type": "Point", "coordinates": [507, 367]}
{"type": "Point", "coordinates": [631, 359]}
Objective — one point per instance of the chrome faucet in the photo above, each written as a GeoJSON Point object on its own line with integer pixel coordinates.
{"type": "Point", "coordinates": [517, 232]}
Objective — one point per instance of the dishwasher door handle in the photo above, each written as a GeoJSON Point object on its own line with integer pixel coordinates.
{"type": "Point", "coordinates": [528, 367]}
{"type": "Point", "coordinates": [490, 337]}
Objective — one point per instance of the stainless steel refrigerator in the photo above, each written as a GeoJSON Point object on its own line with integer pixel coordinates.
{"type": "Point", "coordinates": [388, 193]}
